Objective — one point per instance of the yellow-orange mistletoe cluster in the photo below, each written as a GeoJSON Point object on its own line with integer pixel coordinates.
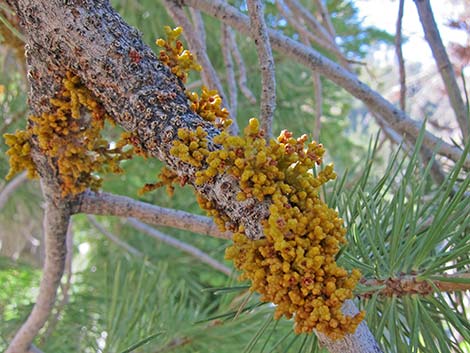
{"type": "Point", "coordinates": [173, 55]}
{"type": "Point", "coordinates": [70, 134]}
{"type": "Point", "coordinates": [294, 264]}
{"type": "Point", "coordinates": [209, 107]}
{"type": "Point", "coordinates": [208, 104]}
{"type": "Point", "coordinates": [20, 154]}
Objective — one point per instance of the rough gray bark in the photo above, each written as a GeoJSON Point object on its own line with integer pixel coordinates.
{"type": "Point", "coordinates": [90, 39]}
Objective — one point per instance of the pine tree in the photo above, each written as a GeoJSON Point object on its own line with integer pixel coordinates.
{"type": "Point", "coordinates": [407, 224]}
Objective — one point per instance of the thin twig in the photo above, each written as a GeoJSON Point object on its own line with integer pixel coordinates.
{"type": "Point", "coordinates": [198, 26]}
{"type": "Point", "coordinates": [317, 88]}
{"type": "Point", "coordinates": [242, 81]}
{"type": "Point", "coordinates": [122, 206]}
{"type": "Point", "coordinates": [318, 99]}
{"type": "Point", "coordinates": [399, 53]}
{"type": "Point", "coordinates": [129, 248]}
{"type": "Point", "coordinates": [189, 249]}
{"type": "Point", "coordinates": [465, 91]}
{"type": "Point", "coordinates": [11, 187]}
{"type": "Point", "coordinates": [301, 12]}
{"type": "Point", "coordinates": [326, 18]}
{"type": "Point", "coordinates": [412, 284]}
{"type": "Point", "coordinates": [299, 27]}
{"type": "Point", "coordinates": [12, 36]}
{"type": "Point", "coordinates": [259, 32]}
{"type": "Point", "coordinates": [11, 28]}
{"type": "Point", "coordinates": [9, 121]}
{"type": "Point", "coordinates": [230, 72]}
{"type": "Point", "coordinates": [431, 33]}
{"type": "Point", "coordinates": [209, 75]}
{"type": "Point", "coordinates": [316, 27]}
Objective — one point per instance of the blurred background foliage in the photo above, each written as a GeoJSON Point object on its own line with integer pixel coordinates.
{"type": "Point", "coordinates": [116, 299]}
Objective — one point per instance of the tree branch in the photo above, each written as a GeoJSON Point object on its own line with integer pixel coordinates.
{"type": "Point", "coordinates": [115, 205]}
{"type": "Point", "coordinates": [301, 12]}
{"type": "Point", "coordinates": [11, 187]}
{"type": "Point", "coordinates": [399, 53]}
{"type": "Point", "coordinates": [317, 90]}
{"type": "Point", "coordinates": [412, 284]}
{"type": "Point", "coordinates": [299, 27]}
{"type": "Point", "coordinates": [397, 119]}
{"type": "Point", "coordinates": [324, 35]}
{"type": "Point", "coordinates": [229, 69]}
{"type": "Point", "coordinates": [431, 33]}
{"type": "Point", "coordinates": [130, 249]}
{"type": "Point", "coordinates": [326, 18]}
{"type": "Point", "coordinates": [241, 69]}
{"type": "Point", "coordinates": [57, 208]}
{"type": "Point", "coordinates": [266, 63]}
{"type": "Point", "coordinates": [178, 244]}
{"type": "Point", "coordinates": [65, 288]}
{"type": "Point", "coordinates": [143, 97]}
{"type": "Point", "coordinates": [318, 99]}
{"type": "Point", "coordinates": [198, 27]}
{"type": "Point", "coordinates": [56, 220]}
{"type": "Point", "coordinates": [189, 249]}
